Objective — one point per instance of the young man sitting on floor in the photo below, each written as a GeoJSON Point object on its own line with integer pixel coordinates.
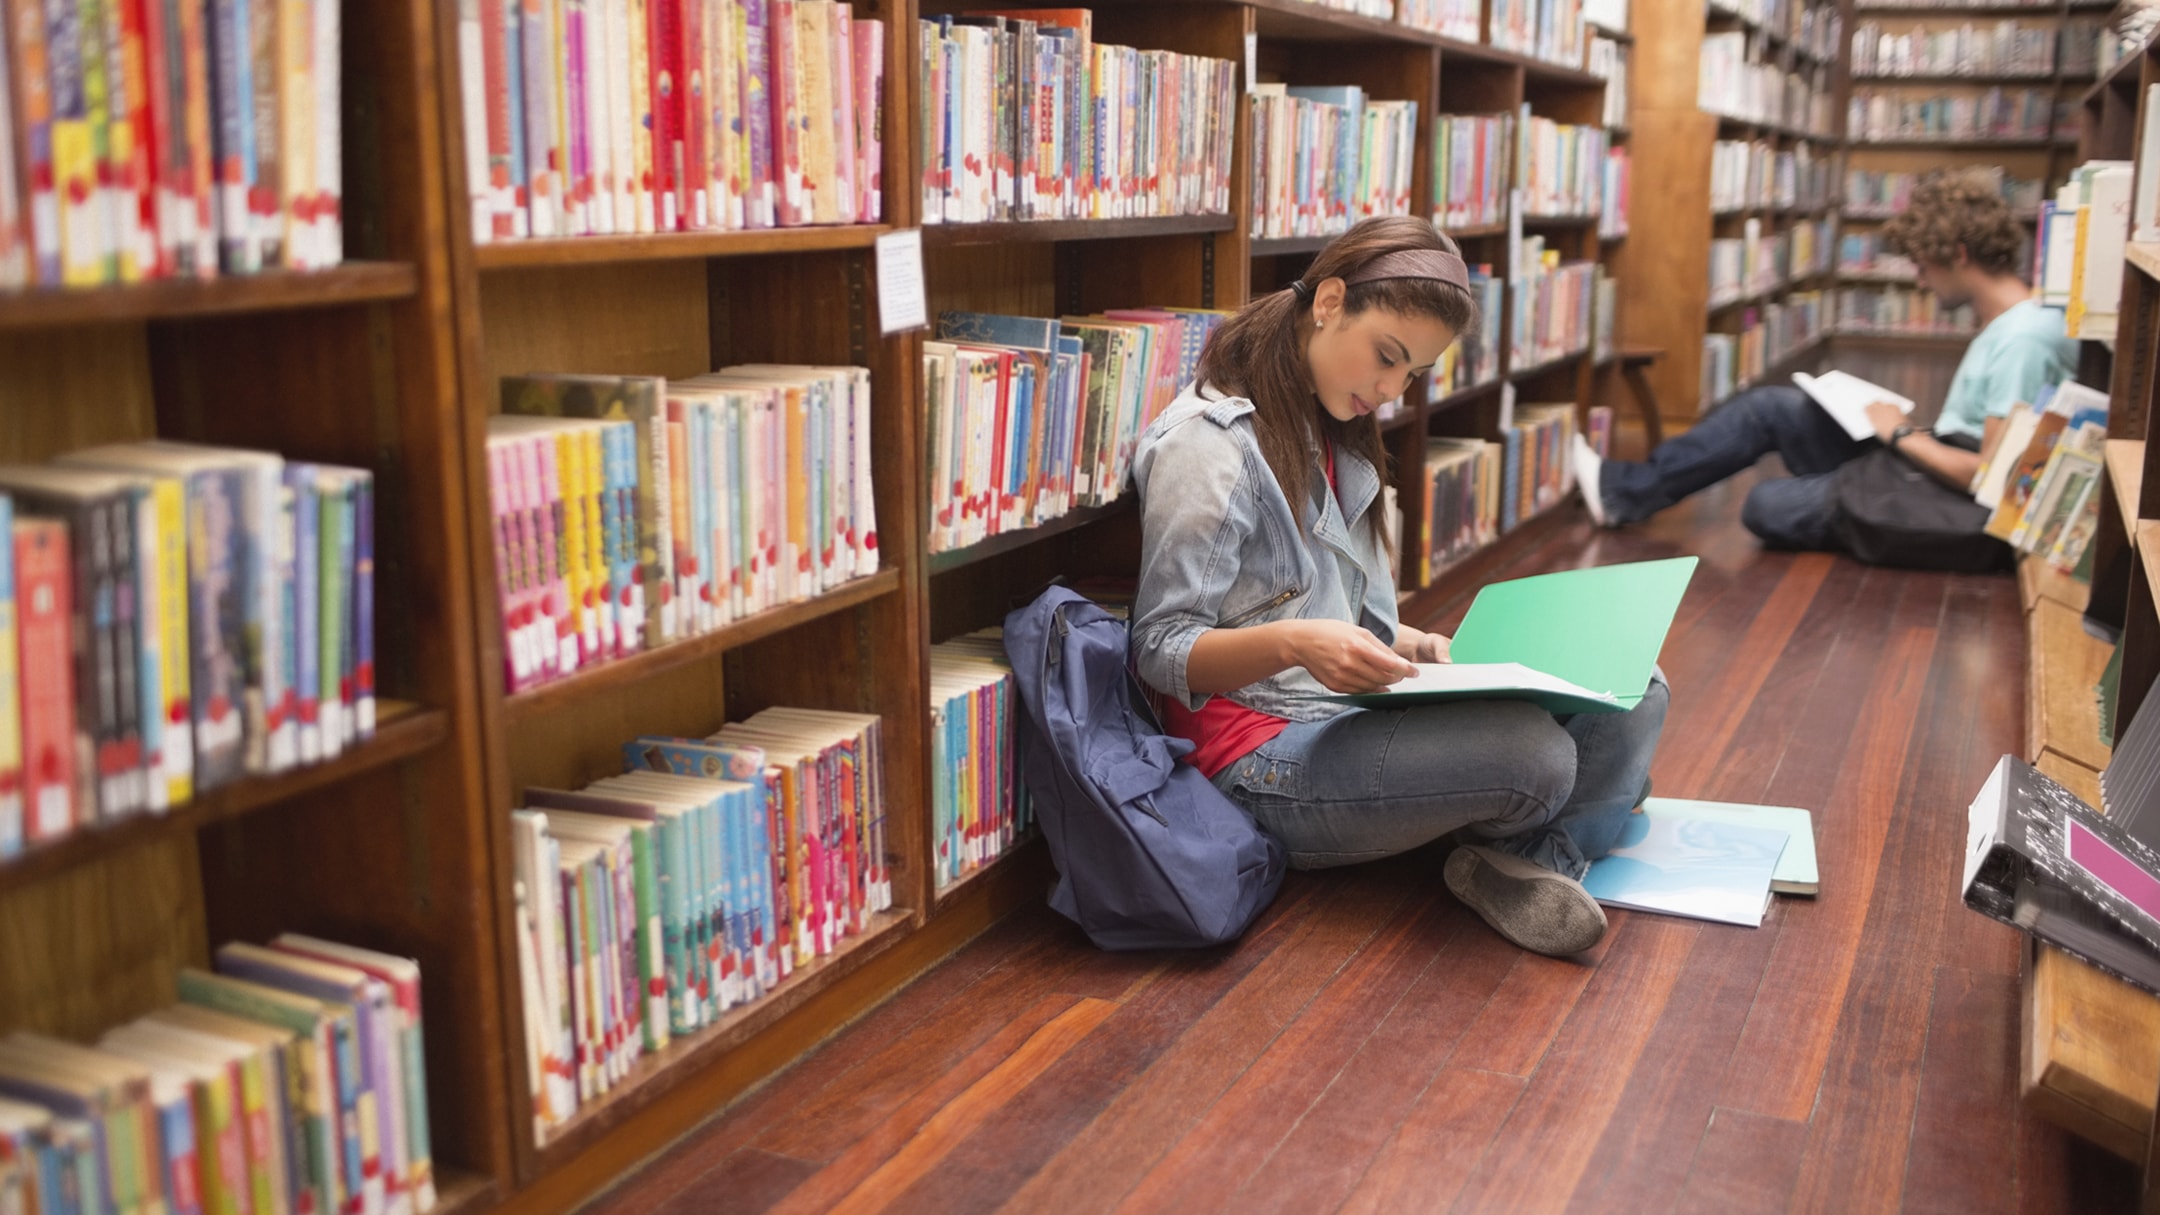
{"type": "Point", "coordinates": [1965, 242]}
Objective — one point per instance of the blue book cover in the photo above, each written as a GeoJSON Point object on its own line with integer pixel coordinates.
{"type": "Point", "coordinates": [992, 329]}
{"type": "Point", "coordinates": [1511, 477]}
{"type": "Point", "coordinates": [1698, 868]}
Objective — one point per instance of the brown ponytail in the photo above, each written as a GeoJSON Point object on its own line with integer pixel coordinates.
{"type": "Point", "coordinates": [1257, 355]}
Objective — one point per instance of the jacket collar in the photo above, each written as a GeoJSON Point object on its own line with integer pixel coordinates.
{"type": "Point", "coordinates": [1358, 479]}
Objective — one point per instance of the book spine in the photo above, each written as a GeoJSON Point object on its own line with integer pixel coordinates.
{"type": "Point", "coordinates": [302, 480]}
{"type": "Point", "coordinates": [693, 161]}
{"type": "Point", "coordinates": [189, 23]}
{"type": "Point", "coordinates": [146, 643]}
{"type": "Point", "coordinates": [268, 193]}
{"type": "Point", "coordinates": [297, 94]}
{"type": "Point", "coordinates": [12, 832]}
{"type": "Point", "coordinates": [333, 503]}
{"type": "Point", "coordinates": [847, 202]}
{"type": "Point", "coordinates": [169, 203]}
{"type": "Point", "coordinates": [783, 82]}
{"type": "Point", "coordinates": [232, 88]}
{"type": "Point", "coordinates": [664, 74]}
{"type": "Point", "coordinates": [111, 137]}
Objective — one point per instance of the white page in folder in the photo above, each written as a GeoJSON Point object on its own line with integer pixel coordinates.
{"type": "Point", "coordinates": [1846, 398]}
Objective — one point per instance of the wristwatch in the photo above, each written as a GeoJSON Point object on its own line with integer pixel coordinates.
{"type": "Point", "coordinates": [1898, 434]}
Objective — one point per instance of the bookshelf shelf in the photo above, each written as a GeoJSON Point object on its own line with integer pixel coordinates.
{"type": "Point", "coordinates": [1474, 231]}
{"type": "Point", "coordinates": [671, 246]}
{"type": "Point", "coordinates": [2145, 256]}
{"type": "Point", "coordinates": [1277, 246]}
{"type": "Point", "coordinates": [460, 1193]}
{"type": "Point", "coordinates": [2123, 75]}
{"type": "Point", "coordinates": [1536, 369]}
{"type": "Point", "coordinates": [1897, 338]}
{"type": "Point", "coordinates": [1026, 852]}
{"type": "Point", "coordinates": [1559, 221]}
{"type": "Point", "coordinates": [938, 236]}
{"type": "Point", "coordinates": [1952, 78]}
{"type": "Point", "coordinates": [2126, 472]}
{"type": "Point", "coordinates": [655, 1075]}
{"type": "Point", "coordinates": [624, 673]}
{"type": "Point", "coordinates": [178, 299]}
{"type": "Point", "coordinates": [402, 731]}
{"type": "Point", "coordinates": [1958, 10]}
{"type": "Point", "coordinates": [1006, 542]}
{"type": "Point", "coordinates": [1922, 144]}
{"type": "Point", "coordinates": [1462, 396]}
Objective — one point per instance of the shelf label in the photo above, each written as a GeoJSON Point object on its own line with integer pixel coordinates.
{"type": "Point", "coordinates": [1252, 61]}
{"type": "Point", "coordinates": [902, 303]}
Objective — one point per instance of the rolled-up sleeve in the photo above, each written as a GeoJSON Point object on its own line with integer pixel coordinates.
{"type": "Point", "coordinates": [1194, 514]}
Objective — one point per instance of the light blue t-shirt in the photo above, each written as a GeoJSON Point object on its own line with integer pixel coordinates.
{"type": "Point", "coordinates": [2018, 354]}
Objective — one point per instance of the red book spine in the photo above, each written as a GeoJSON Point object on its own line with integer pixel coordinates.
{"type": "Point", "coordinates": [190, 70]}
{"type": "Point", "coordinates": [667, 112]}
{"type": "Point", "coordinates": [44, 580]}
{"type": "Point", "coordinates": [694, 169]}
{"type": "Point", "coordinates": [784, 84]}
{"type": "Point", "coordinates": [495, 66]}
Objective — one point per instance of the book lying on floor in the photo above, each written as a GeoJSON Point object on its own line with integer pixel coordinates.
{"type": "Point", "coordinates": [1701, 868]}
{"type": "Point", "coordinates": [1796, 872]}
{"type": "Point", "coordinates": [1846, 399]}
{"type": "Point", "coordinates": [1577, 641]}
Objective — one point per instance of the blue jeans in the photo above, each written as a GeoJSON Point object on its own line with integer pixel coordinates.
{"type": "Point", "coordinates": [1786, 512]}
{"type": "Point", "coordinates": [1370, 783]}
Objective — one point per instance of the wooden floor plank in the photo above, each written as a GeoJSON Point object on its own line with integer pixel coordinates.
{"type": "Point", "coordinates": [1539, 1153]}
{"type": "Point", "coordinates": [1778, 1065]}
{"type": "Point", "coordinates": [1859, 1139]}
{"type": "Point", "coordinates": [985, 1170]}
{"type": "Point", "coordinates": [1975, 941]}
{"type": "Point", "coordinates": [1316, 1167]}
{"type": "Point", "coordinates": [1744, 1165]}
{"type": "Point", "coordinates": [747, 1182]}
{"type": "Point", "coordinates": [1208, 1165]}
{"type": "Point", "coordinates": [1966, 1119]}
{"type": "Point", "coordinates": [1432, 1155]}
{"type": "Point", "coordinates": [1115, 1150]}
{"type": "Point", "coordinates": [1515, 1028]}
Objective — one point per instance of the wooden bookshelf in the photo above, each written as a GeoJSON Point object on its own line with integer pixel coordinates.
{"type": "Point", "coordinates": [178, 299]}
{"type": "Point", "coordinates": [670, 246]}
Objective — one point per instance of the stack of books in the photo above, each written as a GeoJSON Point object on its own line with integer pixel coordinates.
{"type": "Point", "coordinates": [1535, 469]}
{"type": "Point", "coordinates": [167, 140]}
{"type": "Point", "coordinates": [1898, 310]}
{"type": "Point", "coordinates": [1022, 115]}
{"type": "Point", "coordinates": [1473, 169]}
{"type": "Point", "coordinates": [1862, 253]}
{"type": "Point", "coordinates": [978, 801]}
{"type": "Point", "coordinates": [1474, 358]}
{"type": "Point", "coordinates": [1768, 335]}
{"type": "Point", "coordinates": [652, 903]}
{"type": "Point", "coordinates": [1878, 195]}
{"type": "Point", "coordinates": [1031, 417]}
{"type": "Point", "coordinates": [1551, 305]}
{"type": "Point", "coordinates": [2078, 257]}
{"type": "Point", "coordinates": [1743, 174]}
{"type": "Point", "coordinates": [632, 511]}
{"type": "Point", "coordinates": [1877, 115]}
{"type": "Point", "coordinates": [1463, 480]}
{"type": "Point", "coordinates": [1562, 166]}
{"type": "Point", "coordinates": [1617, 185]}
{"type": "Point", "coordinates": [1609, 59]}
{"type": "Point", "coordinates": [2044, 483]}
{"type": "Point", "coordinates": [1732, 84]}
{"type": "Point", "coordinates": [173, 617]}
{"type": "Point", "coordinates": [291, 1080]}
{"type": "Point", "coordinates": [1458, 19]}
{"type": "Point", "coordinates": [2081, 38]}
{"type": "Point", "coordinates": [2003, 48]}
{"type": "Point", "coordinates": [1551, 30]}
{"type": "Point", "coordinates": [1746, 265]}
{"type": "Point", "coordinates": [1326, 157]}
{"type": "Point", "coordinates": [583, 120]}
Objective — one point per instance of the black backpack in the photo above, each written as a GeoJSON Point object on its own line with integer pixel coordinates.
{"type": "Point", "coordinates": [1892, 512]}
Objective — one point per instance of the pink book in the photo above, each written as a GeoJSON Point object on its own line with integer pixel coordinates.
{"type": "Point", "coordinates": [840, 39]}
{"type": "Point", "coordinates": [870, 118]}
{"type": "Point", "coordinates": [784, 81]}
{"type": "Point", "coordinates": [506, 590]}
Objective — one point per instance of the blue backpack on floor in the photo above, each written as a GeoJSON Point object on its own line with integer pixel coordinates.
{"type": "Point", "coordinates": [1149, 853]}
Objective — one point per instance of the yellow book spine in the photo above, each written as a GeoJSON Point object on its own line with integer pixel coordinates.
{"type": "Point", "coordinates": [2075, 313]}
{"type": "Point", "coordinates": [599, 603]}
{"type": "Point", "coordinates": [264, 1189]}
{"type": "Point", "coordinates": [797, 563]}
{"type": "Point", "coordinates": [221, 1150]}
{"type": "Point", "coordinates": [570, 483]}
{"type": "Point", "coordinates": [169, 501]}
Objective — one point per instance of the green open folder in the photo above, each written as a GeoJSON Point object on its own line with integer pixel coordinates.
{"type": "Point", "coordinates": [1579, 641]}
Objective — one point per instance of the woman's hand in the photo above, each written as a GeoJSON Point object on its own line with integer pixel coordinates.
{"type": "Point", "coordinates": [1344, 657]}
{"type": "Point", "coordinates": [1418, 645]}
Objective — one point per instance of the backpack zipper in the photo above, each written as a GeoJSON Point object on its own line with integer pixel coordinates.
{"type": "Point", "coordinates": [1264, 606]}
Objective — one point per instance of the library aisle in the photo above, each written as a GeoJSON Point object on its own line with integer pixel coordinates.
{"type": "Point", "coordinates": [1369, 1047]}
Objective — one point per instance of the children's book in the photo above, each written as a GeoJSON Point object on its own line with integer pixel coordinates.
{"type": "Point", "coordinates": [1695, 867]}
{"type": "Point", "coordinates": [1846, 399]}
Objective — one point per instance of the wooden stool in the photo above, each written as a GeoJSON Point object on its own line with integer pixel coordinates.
{"type": "Point", "coordinates": [1632, 360]}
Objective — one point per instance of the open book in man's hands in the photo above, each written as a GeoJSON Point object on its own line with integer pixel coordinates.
{"type": "Point", "coordinates": [1846, 399]}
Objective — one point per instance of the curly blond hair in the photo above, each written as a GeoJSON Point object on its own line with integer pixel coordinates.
{"type": "Point", "coordinates": [1957, 210]}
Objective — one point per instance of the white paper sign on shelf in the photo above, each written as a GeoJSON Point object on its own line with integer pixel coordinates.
{"type": "Point", "coordinates": [1252, 61]}
{"type": "Point", "coordinates": [902, 302]}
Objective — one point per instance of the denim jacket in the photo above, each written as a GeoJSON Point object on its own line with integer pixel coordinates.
{"type": "Point", "coordinates": [1222, 548]}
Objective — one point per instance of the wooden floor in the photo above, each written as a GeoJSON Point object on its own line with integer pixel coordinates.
{"type": "Point", "coordinates": [1371, 1047]}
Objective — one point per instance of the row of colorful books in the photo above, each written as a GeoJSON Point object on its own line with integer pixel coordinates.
{"type": "Point", "coordinates": [619, 117]}
{"type": "Point", "coordinates": [633, 511]}
{"type": "Point", "coordinates": [1615, 187]}
{"type": "Point", "coordinates": [1732, 84]}
{"type": "Point", "coordinates": [1378, 10]}
{"type": "Point", "coordinates": [978, 801]}
{"type": "Point", "coordinates": [1477, 489]}
{"type": "Point", "coordinates": [1462, 20]}
{"type": "Point", "coordinates": [168, 139]}
{"type": "Point", "coordinates": [1551, 30]}
{"type": "Point", "coordinates": [2078, 255]}
{"type": "Point", "coordinates": [1863, 253]}
{"type": "Point", "coordinates": [1768, 336]}
{"type": "Point", "coordinates": [1609, 61]}
{"type": "Point", "coordinates": [1474, 358]}
{"type": "Point", "coordinates": [1550, 306]}
{"type": "Point", "coordinates": [1473, 169]}
{"type": "Point", "coordinates": [1756, 173]}
{"type": "Point", "coordinates": [1875, 115]}
{"type": "Point", "coordinates": [1562, 166]}
{"type": "Point", "coordinates": [1897, 310]}
{"type": "Point", "coordinates": [1022, 115]}
{"type": "Point", "coordinates": [1881, 194]}
{"type": "Point", "coordinates": [2001, 48]}
{"type": "Point", "coordinates": [652, 903]}
{"type": "Point", "coordinates": [1031, 417]}
{"type": "Point", "coordinates": [293, 1080]}
{"type": "Point", "coordinates": [172, 617]}
{"type": "Point", "coordinates": [1326, 157]}
{"type": "Point", "coordinates": [2043, 485]}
